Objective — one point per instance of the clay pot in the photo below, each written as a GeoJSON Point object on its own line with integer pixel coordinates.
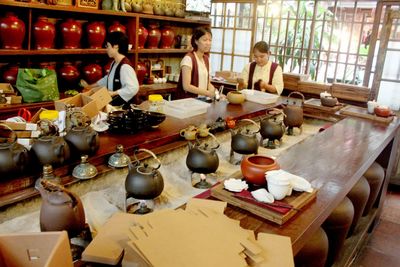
{"type": "Point", "coordinates": [383, 111]}
{"type": "Point", "coordinates": [69, 73]}
{"type": "Point", "coordinates": [235, 97]}
{"type": "Point", "coordinates": [60, 210]}
{"type": "Point", "coordinates": [143, 181]}
{"type": "Point", "coordinates": [329, 101]}
{"type": "Point", "coordinates": [51, 150]}
{"type": "Point", "coordinates": [147, 8]}
{"type": "Point", "coordinates": [141, 72]}
{"type": "Point", "coordinates": [44, 33]}
{"type": "Point", "coordinates": [117, 27]}
{"type": "Point", "coordinates": [154, 37]}
{"type": "Point", "coordinates": [96, 34]}
{"type": "Point", "coordinates": [167, 37]}
{"type": "Point", "coordinates": [14, 157]}
{"type": "Point", "coordinates": [83, 140]}
{"type": "Point", "coordinates": [10, 74]}
{"type": "Point", "coordinates": [202, 158]}
{"type": "Point", "coordinates": [107, 67]}
{"type": "Point", "coordinates": [92, 73]}
{"type": "Point", "coordinates": [71, 33]}
{"type": "Point", "coordinates": [244, 141]}
{"type": "Point", "coordinates": [293, 111]}
{"type": "Point", "coordinates": [272, 129]}
{"type": "Point", "coordinates": [142, 35]}
{"type": "Point", "coordinates": [12, 32]}
{"type": "Point", "coordinates": [254, 167]}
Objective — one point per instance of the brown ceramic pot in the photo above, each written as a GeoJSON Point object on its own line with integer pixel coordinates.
{"type": "Point", "coordinates": [71, 33]}
{"type": "Point", "coordinates": [254, 168]}
{"type": "Point", "coordinates": [117, 27]}
{"type": "Point", "coordinates": [83, 140]}
{"type": "Point", "coordinates": [12, 31]}
{"type": "Point", "coordinates": [44, 33]}
{"type": "Point", "coordinates": [235, 97]}
{"type": "Point", "coordinates": [293, 112]}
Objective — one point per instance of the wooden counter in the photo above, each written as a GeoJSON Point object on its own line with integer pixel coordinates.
{"type": "Point", "coordinates": [164, 138]}
{"type": "Point", "coordinates": [333, 161]}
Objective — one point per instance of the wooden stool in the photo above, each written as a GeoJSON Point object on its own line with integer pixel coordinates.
{"type": "Point", "coordinates": [374, 175]}
{"type": "Point", "coordinates": [337, 226]}
{"type": "Point", "coordinates": [315, 251]}
{"type": "Point", "coordinates": [359, 196]}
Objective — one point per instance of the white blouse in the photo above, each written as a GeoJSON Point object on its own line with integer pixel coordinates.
{"type": "Point", "coordinates": [263, 74]}
{"type": "Point", "coordinates": [201, 66]}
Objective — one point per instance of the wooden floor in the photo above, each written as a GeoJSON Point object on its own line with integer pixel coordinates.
{"type": "Point", "coordinates": [383, 247]}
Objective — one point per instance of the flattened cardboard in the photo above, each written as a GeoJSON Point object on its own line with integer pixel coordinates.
{"type": "Point", "coordinates": [218, 206]}
{"type": "Point", "coordinates": [277, 250]}
{"type": "Point", "coordinates": [43, 249]}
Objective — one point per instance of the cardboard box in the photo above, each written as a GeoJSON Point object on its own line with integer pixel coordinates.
{"type": "Point", "coordinates": [91, 102]}
{"type": "Point", "coordinates": [7, 89]}
{"type": "Point", "coordinates": [20, 126]}
{"type": "Point", "coordinates": [44, 249]}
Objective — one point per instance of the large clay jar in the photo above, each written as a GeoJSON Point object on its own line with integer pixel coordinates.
{"type": "Point", "coordinates": [71, 32]}
{"type": "Point", "coordinates": [44, 33]}
{"type": "Point", "coordinates": [254, 168]}
{"type": "Point", "coordinates": [83, 140]}
{"type": "Point", "coordinates": [50, 150]}
{"type": "Point", "coordinates": [14, 157]}
{"type": "Point", "coordinates": [142, 35]}
{"type": "Point", "coordinates": [167, 37]}
{"type": "Point", "coordinates": [141, 72]}
{"type": "Point", "coordinates": [10, 74]}
{"type": "Point", "coordinates": [96, 34]}
{"type": "Point", "coordinates": [69, 73]}
{"type": "Point", "coordinates": [154, 37]}
{"type": "Point", "coordinates": [293, 112]}
{"type": "Point", "coordinates": [359, 196]}
{"type": "Point", "coordinates": [60, 210]}
{"type": "Point", "coordinates": [116, 27]}
{"type": "Point", "coordinates": [12, 31]}
{"type": "Point", "coordinates": [107, 67]}
{"type": "Point", "coordinates": [92, 73]}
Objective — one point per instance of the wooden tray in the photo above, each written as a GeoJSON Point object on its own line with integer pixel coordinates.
{"type": "Point", "coordinates": [363, 113]}
{"type": "Point", "coordinates": [316, 104]}
{"type": "Point", "coordinates": [297, 200]}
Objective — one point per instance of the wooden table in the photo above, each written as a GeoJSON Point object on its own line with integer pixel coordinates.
{"type": "Point", "coordinates": [332, 161]}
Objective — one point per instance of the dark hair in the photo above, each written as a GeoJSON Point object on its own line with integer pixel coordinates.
{"type": "Point", "coordinates": [197, 34]}
{"type": "Point", "coordinates": [120, 39]}
{"type": "Point", "coordinates": [261, 46]}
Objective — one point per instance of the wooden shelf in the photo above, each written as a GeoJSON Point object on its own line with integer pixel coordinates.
{"type": "Point", "coordinates": [165, 51]}
{"type": "Point", "coordinates": [35, 52]}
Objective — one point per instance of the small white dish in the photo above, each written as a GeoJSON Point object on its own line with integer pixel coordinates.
{"type": "Point", "coordinates": [262, 195]}
{"type": "Point", "coordinates": [235, 185]}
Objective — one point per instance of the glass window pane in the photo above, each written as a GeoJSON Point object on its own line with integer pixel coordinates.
{"type": "Point", "coordinates": [242, 42]}
{"type": "Point", "coordinates": [215, 63]}
{"type": "Point", "coordinates": [227, 63]}
{"type": "Point", "coordinates": [239, 63]}
{"type": "Point", "coordinates": [228, 41]}
{"type": "Point", "coordinates": [216, 45]}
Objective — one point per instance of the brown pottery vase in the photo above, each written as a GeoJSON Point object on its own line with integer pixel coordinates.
{"type": "Point", "coordinates": [69, 73]}
{"type": "Point", "coordinates": [254, 168]}
{"type": "Point", "coordinates": [154, 37]}
{"type": "Point", "coordinates": [92, 73]}
{"type": "Point", "coordinates": [167, 37]}
{"type": "Point", "coordinates": [142, 35]}
{"type": "Point", "coordinates": [10, 74]}
{"type": "Point", "coordinates": [141, 71]}
{"type": "Point", "coordinates": [116, 27]}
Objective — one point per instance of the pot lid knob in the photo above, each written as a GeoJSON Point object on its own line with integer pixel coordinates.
{"type": "Point", "coordinates": [119, 159]}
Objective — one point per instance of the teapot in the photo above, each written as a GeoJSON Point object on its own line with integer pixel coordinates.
{"type": "Point", "coordinates": [293, 110]}
{"type": "Point", "coordinates": [244, 141]}
{"type": "Point", "coordinates": [189, 133]}
{"type": "Point", "coordinates": [143, 181]}
{"type": "Point", "coordinates": [203, 130]}
{"type": "Point", "coordinates": [61, 209]}
{"type": "Point", "coordinates": [14, 157]}
{"type": "Point", "coordinates": [203, 158]}
{"type": "Point", "coordinates": [272, 129]}
{"type": "Point", "coordinates": [83, 140]}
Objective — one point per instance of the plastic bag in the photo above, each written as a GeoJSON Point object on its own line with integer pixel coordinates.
{"type": "Point", "coordinates": [37, 85]}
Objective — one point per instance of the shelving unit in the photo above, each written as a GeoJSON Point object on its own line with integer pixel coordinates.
{"type": "Point", "coordinates": [30, 57]}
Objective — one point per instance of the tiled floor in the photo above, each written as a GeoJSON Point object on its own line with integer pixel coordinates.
{"type": "Point", "coordinates": [383, 246]}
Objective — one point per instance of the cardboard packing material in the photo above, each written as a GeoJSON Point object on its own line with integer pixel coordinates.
{"type": "Point", "coordinates": [43, 249]}
{"type": "Point", "coordinates": [7, 89]}
{"type": "Point", "coordinates": [91, 102]}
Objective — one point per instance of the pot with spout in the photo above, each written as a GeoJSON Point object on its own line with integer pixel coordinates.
{"type": "Point", "coordinates": [203, 158]}
{"type": "Point", "coordinates": [244, 141]}
{"type": "Point", "coordinates": [271, 128]}
{"type": "Point", "coordinates": [83, 140]}
{"type": "Point", "coordinates": [293, 110]}
{"type": "Point", "coordinates": [61, 209]}
{"type": "Point", "coordinates": [143, 181]}
{"type": "Point", "coordinates": [14, 157]}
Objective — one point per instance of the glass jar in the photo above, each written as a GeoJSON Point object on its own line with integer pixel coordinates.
{"type": "Point", "coordinates": [156, 103]}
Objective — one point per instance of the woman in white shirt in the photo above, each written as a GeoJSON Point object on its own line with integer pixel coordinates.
{"type": "Point", "coordinates": [262, 74]}
{"type": "Point", "coordinates": [121, 81]}
{"type": "Point", "coordinates": [194, 77]}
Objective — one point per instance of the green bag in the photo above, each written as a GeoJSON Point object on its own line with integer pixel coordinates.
{"type": "Point", "coordinates": [37, 85]}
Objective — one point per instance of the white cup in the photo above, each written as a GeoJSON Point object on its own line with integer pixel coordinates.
{"type": "Point", "coordinates": [279, 191]}
{"type": "Point", "coordinates": [371, 106]}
